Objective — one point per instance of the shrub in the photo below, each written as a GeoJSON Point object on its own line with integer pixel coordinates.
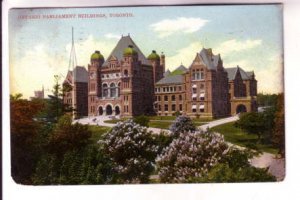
{"type": "Point", "coordinates": [190, 155]}
{"type": "Point", "coordinates": [142, 120]}
{"type": "Point", "coordinates": [235, 167]}
{"type": "Point", "coordinates": [132, 150]}
{"type": "Point", "coordinates": [182, 124]}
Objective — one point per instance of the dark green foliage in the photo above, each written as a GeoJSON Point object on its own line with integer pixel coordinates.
{"type": "Point", "coordinates": [142, 120]}
{"type": "Point", "coordinates": [279, 132]}
{"type": "Point", "coordinates": [67, 136]}
{"type": "Point", "coordinates": [162, 141]}
{"type": "Point", "coordinates": [267, 99]}
{"type": "Point", "coordinates": [84, 166]}
{"type": "Point", "coordinates": [24, 144]}
{"type": "Point", "coordinates": [252, 123]}
{"type": "Point", "coordinates": [176, 114]}
{"type": "Point", "coordinates": [235, 167]}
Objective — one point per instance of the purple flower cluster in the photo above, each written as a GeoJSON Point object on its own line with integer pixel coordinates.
{"type": "Point", "coordinates": [191, 155]}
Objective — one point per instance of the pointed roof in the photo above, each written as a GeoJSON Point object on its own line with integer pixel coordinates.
{"type": "Point", "coordinates": [81, 75]}
{"type": "Point", "coordinates": [208, 58]}
{"type": "Point", "coordinates": [167, 73]}
{"type": "Point", "coordinates": [174, 77]}
{"type": "Point", "coordinates": [123, 43]}
{"type": "Point", "coordinates": [233, 70]}
{"type": "Point", "coordinates": [179, 70]}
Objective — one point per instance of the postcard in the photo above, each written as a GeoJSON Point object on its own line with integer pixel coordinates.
{"type": "Point", "coordinates": [147, 95]}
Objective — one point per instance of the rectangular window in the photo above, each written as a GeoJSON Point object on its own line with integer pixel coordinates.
{"type": "Point", "coordinates": [194, 90]}
{"type": "Point", "coordinates": [159, 98]}
{"type": "Point", "coordinates": [180, 97]}
{"type": "Point", "coordinates": [173, 107]}
{"type": "Point", "coordinates": [180, 107]}
{"type": "Point", "coordinates": [202, 96]}
{"type": "Point", "coordinates": [166, 107]}
{"type": "Point", "coordinates": [173, 97]}
{"type": "Point", "coordinates": [179, 88]}
{"type": "Point", "coordinates": [166, 98]}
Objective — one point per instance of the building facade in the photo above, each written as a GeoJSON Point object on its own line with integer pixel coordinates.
{"type": "Point", "coordinates": [123, 84]}
{"type": "Point", "coordinates": [76, 95]}
{"type": "Point", "coordinates": [206, 89]}
{"type": "Point", "coordinates": [129, 84]}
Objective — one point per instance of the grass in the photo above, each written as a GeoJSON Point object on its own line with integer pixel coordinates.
{"type": "Point", "coordinates": [237, 136]}
{"type": "Point", "coordinates": [160, 124]}
{"type": "Point", "coordinates": [162, 117]}
{"type": "Point", "coordinates": [97, 132]}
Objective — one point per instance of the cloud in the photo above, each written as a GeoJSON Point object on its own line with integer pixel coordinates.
{"type": "Point", "coordinates": [34, 70]}
{"type": "Point", "coordinates": [269, 77]}
{"type": "Point", "coordinates": [185, 56]}
{"type": "Point", "coordinates": [168, 27]}
{"type": "Point", "coordinates": [38, 65]}
{"type": "Point", "coordinates": [112, 36]}
{"type": "Point", "coordinates": [87, 47]}
{"type": "Point", "coordinates": [230, 46]}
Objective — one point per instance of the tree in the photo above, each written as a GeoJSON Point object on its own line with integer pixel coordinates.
{"type": "Point", "coordinates": [279, 129]}
{"type": "Point", "coordinates": [190, 156]}
{"type": "Point", "coordinates": [132, 150]}
{"type": "Point", "coordinates": [252, 123]}
{"type": "Point", "coordinates": [67, 136]}
{"type": "Point", "coordinates": [87, 165]}
{"type": "Point", "coordinates": [24, 131]}
{"type": "Point", "coordinates": [182, 124]}
{"type": "Point", "coordinates": [235, 167]}
{"type": "Point", "coordinates": [142, 120]}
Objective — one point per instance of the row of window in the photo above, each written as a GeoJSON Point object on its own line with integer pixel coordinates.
{"type": "Point", "coordinates": [112, 91]}
{"type": "Point", "coordinates": [201, 108]}
{"type": "Point", "coordinates": [166, 107]}
{"type": "Point", "coordinates": [166, 98]}
{"type": "Point", "coordinates": [197, 74]}
{"type": "Point", "coordinates": [168, 89]}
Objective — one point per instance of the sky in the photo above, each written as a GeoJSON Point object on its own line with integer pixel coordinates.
{"type": "Point", "coordinates": [249, 36]}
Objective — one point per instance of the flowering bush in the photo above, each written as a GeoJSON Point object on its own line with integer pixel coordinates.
{"type": "Point", "coordinates": [189, 156]}
{"type": "Point", "coordinates": [132, 149]}
{"type": "Point", "coordinates": [182, 124]}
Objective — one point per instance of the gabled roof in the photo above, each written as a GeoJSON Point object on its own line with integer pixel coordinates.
{"type": "Point", "coordinates": [208, 58]}
{"type": "Point", "coordinates": [179, 70]}
{"type": "Point", "coordinates": [123, 43]}
{"type": "Point", "coordinates": [175, 79]}
{"type": "Point", "coordinates": [81, 74]}
{"type": "Point", "coordinates": [233, 70]}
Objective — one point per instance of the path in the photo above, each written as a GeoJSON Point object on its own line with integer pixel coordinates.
{"type": "Point", "coordinates": [276, 166]}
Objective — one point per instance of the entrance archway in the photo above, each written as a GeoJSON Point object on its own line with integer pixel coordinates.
{"type": "Point", "coordinates": [108, 110]}
{"type": "Point", "coordinates": [241, 109]}
{"type": "Point", "coordinates": [100, 110]}
{"type": "Point", "coordinates": [117, 110]}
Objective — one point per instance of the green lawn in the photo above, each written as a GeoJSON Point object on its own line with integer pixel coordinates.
{"type": "Point", "coordinates": [160, 124]}
{"type": "Point", "coordinates": [97, 132]}
{"type": "Point", "coordinates": [237, 136]}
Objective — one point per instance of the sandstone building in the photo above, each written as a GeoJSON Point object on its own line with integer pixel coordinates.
{"type": "Point", "coordinates": [127, 83]}
{"type": "Point", "coordinates": [80, 88]}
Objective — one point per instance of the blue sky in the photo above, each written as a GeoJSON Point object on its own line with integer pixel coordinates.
{"type": "Point", "coordinates": [249, 36]}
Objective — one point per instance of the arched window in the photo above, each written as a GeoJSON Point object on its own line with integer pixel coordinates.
{"type": "Point", "coordinates": [105, 90]}
{"type": "Point", "coordinates": [125, 72]}
{"type": "Point", "coordinates": [119, 86]}
{"type": "Point", "coordinates": [113, 90]}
